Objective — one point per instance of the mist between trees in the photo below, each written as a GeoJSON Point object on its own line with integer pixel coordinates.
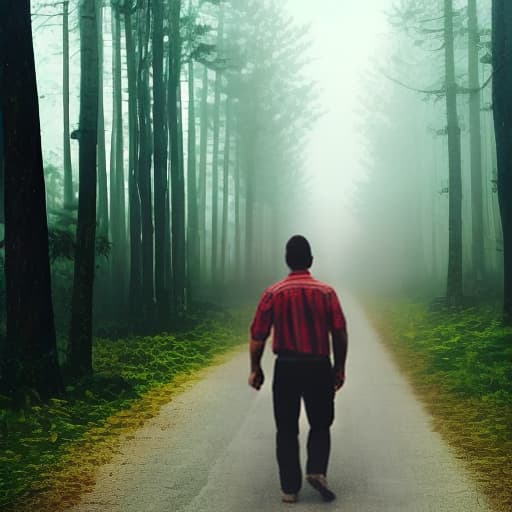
{"type": "Point", "coordinates": [178, 168]}
{"type": "Point", "coordinates": [174, 164]}
{"type": "Point", "coordinates": [429, 207]}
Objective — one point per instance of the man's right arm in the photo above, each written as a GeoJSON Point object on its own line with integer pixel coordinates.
{"type": "Point", "coordinates": [339, 348]}
{"type": "Point", "coordinates": [260, 331]}
{"type": "Point", "coordinates": [256, 377]}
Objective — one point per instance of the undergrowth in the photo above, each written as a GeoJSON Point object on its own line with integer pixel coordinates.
{"type": "Point", "coordinates": [36, 441]}
{"type": "Point", "coordinates": [460, 362]}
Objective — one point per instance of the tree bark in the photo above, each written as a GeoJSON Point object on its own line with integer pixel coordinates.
{"type": "Point", "coordinates": [249, 218]}
{"type": "Point", "coordinates": [117, 196]}
{"type": "Point", "coordinates": [192, 200]}
{"type": "Point", "coordinates": [215, 178]}
{"type": "Point", "coordinates": [160, 158]}
{"type": "Point", "coordinates": [238, 222]}
{"type": "Point", "coordinates": [215, 157]}
{"type": "Point", "coordinates": [225, 192]}
{"type": "Point", "coordinates": [102, 164]}
{"type": "Point", "coordinates": [476, 144]}
{"type": "Point", "coordinates": [68, 171]}
{"type": "Point", "coordinates": [113, 204]}
{"type": "Point", "coordinates": [29, 351]}
{"type": "Point", "coordinates": [502, 101]}
{"type": "Point", "coordinates": [203, 155]}
{"type": "Point", "coordinates": [135, 284]}
{"type": "Point", "coordinates": [168, 248]}
{"type": "Point", "coordinates": [2, 168]}
{"type": "Point", "coordinates": [80, 356]}
{"type": "Point", "coordinates": [177, 177]}
{"type": "Point", "coordinates": [454, 280]}
{"type": "Point", "coordinates": [144, 162]}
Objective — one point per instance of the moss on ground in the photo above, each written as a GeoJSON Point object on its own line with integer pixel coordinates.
{"type": "Point", "coordinates": [49, 452]}
{"type": "Point", "coordinates": [460, 364]}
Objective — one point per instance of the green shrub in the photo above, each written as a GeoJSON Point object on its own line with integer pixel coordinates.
{"type": "Point", "coordinates": [34, 439]}
{"type": "Point", "coordinates": [460, 362]}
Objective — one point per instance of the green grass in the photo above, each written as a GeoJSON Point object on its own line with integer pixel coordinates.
{"type": "Point", "coordinates": [460, 363]}
{"type": "Point", "coordinates": [39, 441]}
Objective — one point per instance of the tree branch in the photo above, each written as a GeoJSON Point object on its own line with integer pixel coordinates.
{"type": "Point", "coordinates": [436, 92]}
{"type": "Point", "coordinates": [467, 90]}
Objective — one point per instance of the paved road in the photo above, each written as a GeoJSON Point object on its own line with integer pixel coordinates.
{"type": "Point", "coordinates": [212, 448]}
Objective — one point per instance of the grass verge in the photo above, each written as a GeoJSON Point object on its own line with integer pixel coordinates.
{"type": "Point", "coordinates": [49, 453]}
{"type": "Point", "coordinates": [460, 364]}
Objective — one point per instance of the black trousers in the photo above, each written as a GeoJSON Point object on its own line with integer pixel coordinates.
{"type": "Point", "coordinates": [312, 381]}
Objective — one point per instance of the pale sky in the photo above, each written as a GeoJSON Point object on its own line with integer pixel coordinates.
{"type": "Point", "coordinates": [347, 36]}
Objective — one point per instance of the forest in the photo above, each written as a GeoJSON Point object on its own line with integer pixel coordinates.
{"type": "Point", "coordinates": [454, 244]}
{"type": "Point", "coordinates": [155, 156]}
{"type": "Point", "coordinates": [187, 201]}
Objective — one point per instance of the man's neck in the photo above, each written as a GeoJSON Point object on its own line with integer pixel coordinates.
{"type": "Point", "coordinates": [304, 271]}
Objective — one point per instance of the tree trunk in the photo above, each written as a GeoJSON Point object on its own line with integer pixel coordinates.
{"type": "Point", "coordinates": [81, 307]}
{"type": "Point", "coordinates": [502, 101]}
{"type": "Point", "coordinates": [160, 158]}
{"type": "Point", "coordinates": [135, 284]}
{"type": "Point", "coordinates": [238, 223]}
{"type": "Point", "coordinates": [29, 352]}
{"type": "Point", "coordinates": [2, 169]}
{"type": "Point", "coordinates": [249, 218]}
{"type": "Point", "coordinates": [68, 171]}
{"type": "Point", "coordinates": [102, 288]}
{"type": "Point", "coordinates": [192, 202]}
{"type": "Point", "coordinates": [203, 155]}
{"type": "Point", "coordinates": [476, 144]}
{"type": "Point", "coordinates": [454, 281]}
{"type": "Point", "coordinates": [120, 181]}
{"type": "Point", "coordinates": [225, 192]}
{"type": "Point", "coordinates": [215, 157]}
{"type": "Point", "coordinates": [183, 230]}
{"type": "Point", "coordinates": [177, 178]}
{"type": "Point", "coordinates": [168, 249]}
{"type": "Point", "coordinates": [144, 162]}
{"type": "Point", "coordinates": [102, 164]}
{"type": "Point", "coordinates": [113, 205]}
{"type": "Point", "coordinates": [215, 178]}
{"type": "Point", "coordinates": [117, 210]}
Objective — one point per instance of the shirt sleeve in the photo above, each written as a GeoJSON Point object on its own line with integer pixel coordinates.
{"type": "Point", "coordinates": [263, 319]}
{"type": "Point", "coordinates": [337, 318]}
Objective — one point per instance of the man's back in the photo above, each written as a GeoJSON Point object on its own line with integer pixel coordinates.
{"type": "Point", "coordinates": [302, 311]}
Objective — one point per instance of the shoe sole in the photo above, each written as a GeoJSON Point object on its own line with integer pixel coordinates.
{"type": "Point", "coordinates": [327, 494]}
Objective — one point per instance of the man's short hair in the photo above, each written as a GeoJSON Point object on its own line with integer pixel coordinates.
{"type": "Point", "coordinates": [298, 253]}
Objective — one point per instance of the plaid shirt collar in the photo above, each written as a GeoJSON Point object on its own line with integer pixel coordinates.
{"type": "Point", "coordinates": [301, 273]}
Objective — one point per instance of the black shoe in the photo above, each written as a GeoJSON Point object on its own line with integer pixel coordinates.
{"type": "Point", "coordinates": [319, 482]}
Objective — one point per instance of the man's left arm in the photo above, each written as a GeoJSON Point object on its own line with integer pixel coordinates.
{"type": "Point", "coordinates": [339, 340]}
{"type": "Point", "coordinates": [339, 347]}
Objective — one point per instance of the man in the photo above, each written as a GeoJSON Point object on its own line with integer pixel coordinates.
{"type": "Point", "coordinates": [303, 313]}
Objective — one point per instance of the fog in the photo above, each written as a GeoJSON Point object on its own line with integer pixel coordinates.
{"type": "Point", "coordinates": [371, 164]}
{"type": "Point", "coordinates": [348, 38]}
{"type": "Point", "coordinates": [378, 158]}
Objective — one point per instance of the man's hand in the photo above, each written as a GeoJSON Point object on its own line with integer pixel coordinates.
{"type": "Point", "coordinates": [339, 378]}
{"type": "Point", "coordinates": [256, 379]}
{"type": "Point", "coordinates": [339, 347]}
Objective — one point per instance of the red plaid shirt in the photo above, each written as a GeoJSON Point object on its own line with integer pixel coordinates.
{"type": "Point", "coordinates": [303, 311]}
